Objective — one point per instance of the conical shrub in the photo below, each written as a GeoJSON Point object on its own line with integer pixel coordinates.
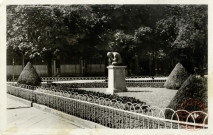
{"type": "Point", "coordinates": [29, 76]}
{"type": "Point", "coordinates": [192, 96]}
{"type": "Point", "coordinates": [176, 77]}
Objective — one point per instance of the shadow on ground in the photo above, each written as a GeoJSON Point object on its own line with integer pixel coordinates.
{"type": "Point", "coordinates": [18, 107]}
{"type": "Point", "coordinates": [139, 91]}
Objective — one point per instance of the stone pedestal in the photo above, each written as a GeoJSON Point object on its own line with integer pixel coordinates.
{"type": "Point", "coordinates": [116, 79]}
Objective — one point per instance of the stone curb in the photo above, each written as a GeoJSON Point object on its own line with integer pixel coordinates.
{"type": "Point", "coordinates": [72, 119]}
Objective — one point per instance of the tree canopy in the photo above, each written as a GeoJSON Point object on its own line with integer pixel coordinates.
{"type": "Point", "coordinates": [184, 32]}
{"type": "Point", "coordinates": [146, 36]}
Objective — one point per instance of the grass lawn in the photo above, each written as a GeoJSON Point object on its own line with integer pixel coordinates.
{"type": "Point", "coordinates": [159, 97]}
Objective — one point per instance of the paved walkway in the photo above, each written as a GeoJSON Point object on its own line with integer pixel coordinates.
{"type": "Point", "coordinates": [20, 115]}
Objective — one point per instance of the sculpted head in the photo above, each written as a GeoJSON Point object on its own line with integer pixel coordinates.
{"type": "Point", "coordinates": [114, 58]}
{"type": "Point", "coordinates": [109, 54]}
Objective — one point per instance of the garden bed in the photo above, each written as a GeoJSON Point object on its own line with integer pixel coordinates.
{"type": "Point", "coordinates": [63, 89]}
{"type": "Point", "coordinates": [159, 97]}
{"type": "Point", "coordinates": [105, 84]}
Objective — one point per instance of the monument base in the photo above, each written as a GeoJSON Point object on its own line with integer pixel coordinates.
{"type": "Point", "coordinates": [116, 79]}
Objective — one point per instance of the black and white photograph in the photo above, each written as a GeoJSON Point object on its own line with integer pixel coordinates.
{"type": "Point", "coordinates": [107, 66]}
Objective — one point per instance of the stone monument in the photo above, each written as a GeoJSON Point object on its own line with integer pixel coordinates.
{"type": "Point", "coordinates": [116, 74]}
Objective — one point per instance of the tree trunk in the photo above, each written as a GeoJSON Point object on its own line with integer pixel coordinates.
{"type": "Point", "coordinates": [137, 67]}
{"type": "Point", "coordinates": [49, 67]}
{"type": "Point", "coordinates": [106, 64]}
{"type": "Point", "coordinates": [82, 66]}
{"type": "Point", "coordinates": [150, 65]}
{"type": "Point", "coordinates": [22, 61]}
{"type": "Point", "coordinates": [85, 67]}
{"type": "Point", "coordinates": [153, 66]}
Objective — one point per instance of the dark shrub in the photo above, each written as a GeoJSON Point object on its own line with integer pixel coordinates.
{"type": "Point", "coordinates": [192, 96]}
{"type": "Point", "coordinates": [29, 76]}
{"type": "Point", "coordinates": [176, 77]}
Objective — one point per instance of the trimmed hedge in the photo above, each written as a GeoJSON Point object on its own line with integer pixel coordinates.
{"type": "Point", "coordinates": [176, 77]}
{"type": "Point", "coordinates": [29, 76]}
{"type": "Point", "coordinates": [192, 96]}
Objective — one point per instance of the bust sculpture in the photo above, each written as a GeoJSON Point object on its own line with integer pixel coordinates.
{"type": "Point", "coordinates": [114, 58]}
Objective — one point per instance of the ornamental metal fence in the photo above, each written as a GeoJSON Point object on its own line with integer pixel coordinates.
{"type": "Point", "coordinates": [110, 113]}
{"type": "Point", "coordinates": [140, 79]}
{"type": "Point", "coordinates": [71, 78]}
{"type": "Point", "coordinates": [128, 79]}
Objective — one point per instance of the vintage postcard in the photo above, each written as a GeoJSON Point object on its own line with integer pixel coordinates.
{"type": "Point", "coordinates": [101, 67]}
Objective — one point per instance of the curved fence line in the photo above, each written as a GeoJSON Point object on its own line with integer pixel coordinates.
{"type": "Point", "coordinates": [110, 113]}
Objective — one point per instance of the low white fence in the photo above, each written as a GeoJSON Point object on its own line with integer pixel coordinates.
{"type": "Point", "coordinates": [128, 79]}
{"type": "Point", "coordinates": [110, 113]}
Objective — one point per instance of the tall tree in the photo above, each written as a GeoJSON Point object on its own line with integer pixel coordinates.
{"type": "Point", "coordinates": [40, 30]}
{"type": "Point", "coordinates": [184, 33]}
{"type": "Point", "coordinates": [145, 35]}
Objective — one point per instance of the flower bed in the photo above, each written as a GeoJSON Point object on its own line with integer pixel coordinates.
{"type": "Point", "coordinates": [71, 88]}
{"type": "Point", "coordinates": [105, 84]}
{"type": "Point", "coordinates": [147, 84]}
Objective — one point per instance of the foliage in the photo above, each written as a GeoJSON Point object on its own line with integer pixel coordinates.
{"type": "Point", "coordinates": [184, 33]}
{"type": "Point", "coordinates": [69, 88]}
{"type": "Point", "coordinates": [35, 30]}
{"type": "Point", "coordinates": [29, 76]}
{"type": "Point", "coordinates": [40, 30]}
{"type": "Point", "coordinates": [192, 96]}
{"type": "Point", "coordinates": [153, 34]}
{"type": "Point", "coordinates": [176, 77]}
